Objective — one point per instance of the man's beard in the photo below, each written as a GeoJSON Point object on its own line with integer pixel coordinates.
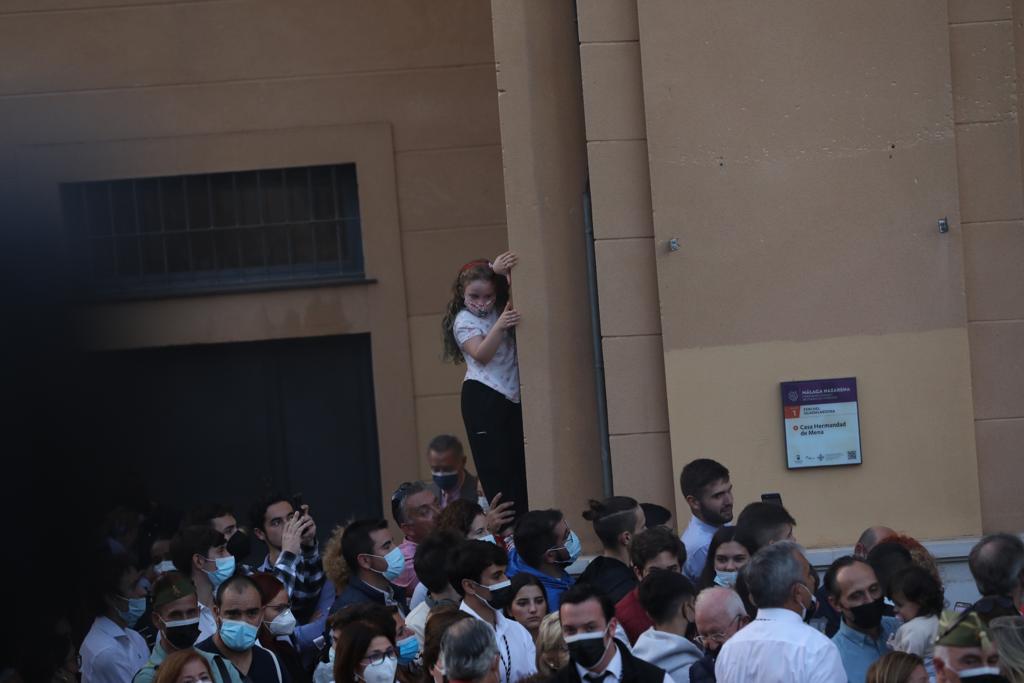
{"type": "Point", "coordinates": [713, 518]}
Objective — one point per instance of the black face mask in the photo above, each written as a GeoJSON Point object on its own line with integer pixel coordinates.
{"type": "Point", "coordinates": [500, 597]}
{"type": "Point", "coordinates": [868, 616]}
{"type": "Point", "coordinates": [182, 636]}
{"type": "Point", "coordinates": [239, 545]}
{"type": "Point", "coordinates": [986, 678]}
{"type": "Point", "coordinates": [587, 653]}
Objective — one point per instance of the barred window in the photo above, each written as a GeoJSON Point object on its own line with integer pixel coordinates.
{"type": "Point", "coordinates": [215, 231]}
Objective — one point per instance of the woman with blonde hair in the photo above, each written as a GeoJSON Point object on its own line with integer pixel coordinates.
{"type": "Point", "coordinates": [185, 666]}
{"type": "Point", "coordinates": [552, 652]}
{"type": "Point", "coordinates": [335, 567]}
{"type": "Point", "coordinates": [898, 667]}
{"type": "Point", "coordinates": [1008, 635]}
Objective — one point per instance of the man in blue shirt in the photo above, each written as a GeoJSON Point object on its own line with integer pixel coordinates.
{"type": "Point", "coordinates": [545, 546]}
{"type": "Point", "coordinates": [706, 487]}
{"type": "Point", "coordinates": [854, 592]}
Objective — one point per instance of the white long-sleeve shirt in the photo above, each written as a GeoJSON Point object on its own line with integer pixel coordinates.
{"type": "Point", "coordinates": [111, 654]}
{"type": "Point", "coordinates": [778, 647]}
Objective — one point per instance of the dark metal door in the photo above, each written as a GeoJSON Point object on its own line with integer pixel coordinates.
{"type": "Point", "coordinates": [230, 422]}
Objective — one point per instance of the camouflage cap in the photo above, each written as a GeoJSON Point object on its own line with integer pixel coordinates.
{"type": "Point", "coordinates": [962, 629]}
{"type": "Point", "coordinates": [170, 587]}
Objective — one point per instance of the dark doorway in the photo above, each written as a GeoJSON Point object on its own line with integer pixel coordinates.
{"type": "Point", "coordinates": [232, 422]}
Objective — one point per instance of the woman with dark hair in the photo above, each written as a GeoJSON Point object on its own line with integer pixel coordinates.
{"type": "Point", "coordinates": [275, 633]}
{"type": "Point", "coordinates": [365, 653]}
{"type": "Point", "coordinates": [465, 517]}
{"type": "Point", "coordinates": [529, 603]}
{"type": "Point", "coordinates": [438, 622]}
{"type": "Point", "coordinates": [726, 557]}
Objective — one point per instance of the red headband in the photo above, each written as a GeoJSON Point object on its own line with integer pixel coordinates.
{"type": "Point", "coordinates": [471, 264]}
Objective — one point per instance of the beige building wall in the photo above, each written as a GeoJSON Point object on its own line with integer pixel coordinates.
{"type": "Point", "coordinates": [986, 46]}
{"type": "Point", "coordinates": [406, 89]}
{"type": "Point", "coordinates": [801, 154]}
{"type": "Point", "coordinates": [624, 245]}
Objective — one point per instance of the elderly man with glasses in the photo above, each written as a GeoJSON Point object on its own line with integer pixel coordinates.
{"type": "Point", "coordinates": [719, 613]}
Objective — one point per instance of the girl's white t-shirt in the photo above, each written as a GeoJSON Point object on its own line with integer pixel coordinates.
{"type": "Point", "coordinates": [502, 372]}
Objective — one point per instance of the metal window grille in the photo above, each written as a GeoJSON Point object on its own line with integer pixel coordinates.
{"type": "Point", "coordinates": [215, 231]}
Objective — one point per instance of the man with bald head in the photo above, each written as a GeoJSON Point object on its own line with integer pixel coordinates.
{"type": "Point", "coordinates": [871, 537]}
{"type": "Point", "coordinates": [997, 565]}
{"type": "Point", "coordinates": [719, 614]}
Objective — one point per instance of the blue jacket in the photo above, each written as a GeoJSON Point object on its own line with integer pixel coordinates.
{"type": "Point", "coordinates": [553, 588]}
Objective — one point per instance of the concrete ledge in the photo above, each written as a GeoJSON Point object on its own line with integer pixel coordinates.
{"type": "Point", "coordinates": [950, 554]}
{"type": "Point", "coordinates": [945, 551]}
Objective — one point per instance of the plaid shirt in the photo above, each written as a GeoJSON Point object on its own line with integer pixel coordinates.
{"type": "Point", "coordinates": [303, 577]}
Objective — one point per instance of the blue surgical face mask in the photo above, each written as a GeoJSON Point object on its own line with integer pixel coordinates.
{"type": "Point", "coordinates": [224, 571]}
{"type": "Point", "coordinates": [408, 650]}
{"type": "Point", "coordinates": [238, 635]}
{"type": "Point", "coordinates": [572, 546]}
{"type": "Point", "coordinates": [725, 579]}
{"type": "Point", "coordinates": [488, 538]}
{"type": "Point", "coordinates": [136, 608]}
{"type": "Point", "coordinates": [446, 481]}
{"type": "Point", "coordinates": [396, 564]}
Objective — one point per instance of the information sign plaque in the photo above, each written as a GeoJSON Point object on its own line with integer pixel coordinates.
{"type": "Point", "coordinates": [821, 421]}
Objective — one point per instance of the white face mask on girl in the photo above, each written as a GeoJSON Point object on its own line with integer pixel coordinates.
{"type": "Point", "coordinates": [380, 672]}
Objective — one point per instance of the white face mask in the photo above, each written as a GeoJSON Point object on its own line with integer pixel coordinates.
{"type": "Point", "coordinates": [384, 672]}
{"type": "Point", "coordinates": [283, 624]}
{"type": "Point", "coordinates": [968, 674]}
{"type": "Point", "coordinates": [164, 567]}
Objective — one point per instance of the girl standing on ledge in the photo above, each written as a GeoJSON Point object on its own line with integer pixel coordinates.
{"type": "Point", "coordinates": [478, 329]}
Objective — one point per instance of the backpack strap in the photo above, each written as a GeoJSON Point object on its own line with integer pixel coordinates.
{"type": "Point", "coordinates": [222, 668]}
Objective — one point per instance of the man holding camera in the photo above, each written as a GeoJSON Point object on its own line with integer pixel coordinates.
{"type": "Point", "coordinates": [293, 555]}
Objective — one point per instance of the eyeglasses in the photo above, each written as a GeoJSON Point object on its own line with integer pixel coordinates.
{"type": "Point", "coordinates": [379, 657]}
{"type": "Point", "coordinates": [719, 637]}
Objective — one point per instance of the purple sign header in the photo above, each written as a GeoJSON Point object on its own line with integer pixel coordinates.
{"type": "Point", "coordinates": [843, 390]}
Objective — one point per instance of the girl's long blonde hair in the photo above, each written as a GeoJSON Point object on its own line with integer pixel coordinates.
{"type": "Point", "coordinates": [894, 667]}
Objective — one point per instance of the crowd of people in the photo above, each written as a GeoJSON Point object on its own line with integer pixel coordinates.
{"type": "Point", "coordinates": [468, 591]}
{"type": "Point", "coordinates": [477, 587]}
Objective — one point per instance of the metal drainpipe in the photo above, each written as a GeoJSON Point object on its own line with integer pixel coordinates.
{"type": "Point", "coordinates": [595, 335]}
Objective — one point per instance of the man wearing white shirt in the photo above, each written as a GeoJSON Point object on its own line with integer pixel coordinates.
{"type": "Point", "coordinates": [477, 572]}
{"type": "Point", "coordinates": [778, 647]}
{"type": "Point", "coordinates": [112, 652]}
{"type": "Point", "coordinates": [706, 487]}
{"type": "Point", "coordinates": [596, 656]}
